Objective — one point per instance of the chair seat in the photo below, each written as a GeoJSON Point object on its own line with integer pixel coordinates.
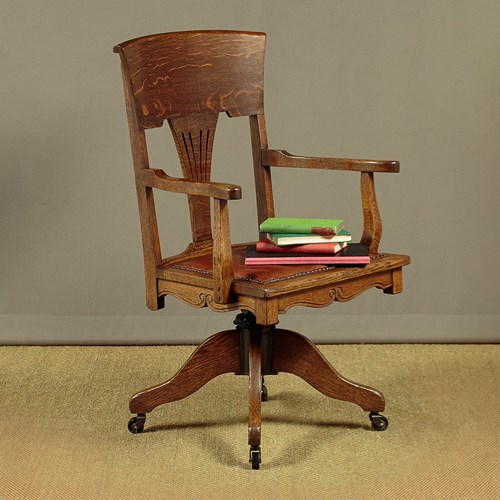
{"type": "Point", "coordinates": [276, 280]}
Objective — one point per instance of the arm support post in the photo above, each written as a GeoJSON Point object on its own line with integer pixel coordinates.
{"type": "Point", "coordinates": [222, 253]}
{"type": "Point", "coordinates": [372, 223]}
{"type": "Point", "coordinates": [223, 273]}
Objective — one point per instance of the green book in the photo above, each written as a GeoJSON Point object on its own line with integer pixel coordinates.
{"type": "Point", "coordinates": [287, 225]}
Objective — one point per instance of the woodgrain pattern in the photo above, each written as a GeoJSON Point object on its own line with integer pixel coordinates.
{"type": "Point", "coordinates": [397, 282]}
{"type": "Point", "coordinates": [194, 137]}
{"type": "Point", "coordinates": [280, 158]}
{"type": "Point", "coordinates": [372, 223]}
{"type": "Point", "coordinates": [222, 255]}
{"type": "Point", "coordinates": [145, 198]}
{"type": "Point", "coordinates": [294, 353]}
{"type": "Point", "coordinates": [262, 172]}
{"type": "Point", "coordinates": [254, 288]}
{"type": "Point", "coordinates": [186, 73]}
{"type": "Point", "coordinates": [268, 281]}
{"type": "Point", "coordinates": [343, 292]}
{"type": "Point", "coordinates": [158, 179]}
{"type": "Point", "coordinates": [188, 79]}
{"type": "Point", "coordinates": [217, 355]}
{"type": "Point", "coordinates": [254, 388]}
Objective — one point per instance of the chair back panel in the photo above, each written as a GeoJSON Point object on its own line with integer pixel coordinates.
{"type": "Point", "coordinates": [187, 73]}
{"type": "Point", "coordinates": [188, 78]}
{"type": "Point", "coordinates": [194, 139]}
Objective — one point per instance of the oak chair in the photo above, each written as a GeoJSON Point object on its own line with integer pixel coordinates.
{"type": "Point", "coordinates": [187, 79]}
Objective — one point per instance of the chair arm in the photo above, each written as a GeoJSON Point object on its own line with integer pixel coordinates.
{"type": "Point", "coordinates": [280, 158]}
{"type": "Point", "coordinates": [222, 255]}
{"type": "Point", "coordinates": [157, 178]}
{"type": "Point", "coordinates": [372, 223]}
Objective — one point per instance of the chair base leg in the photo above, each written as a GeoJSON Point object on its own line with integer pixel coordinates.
{"type": "Point", "coordinates": [255, 389]}
{"type": "Point", "coordinates": [257, 350]}
{"type": "Point", "coordinates": [219, 354]}
{"type": "Point", "coordinates": [291, 352]}
{"type": "Point", "coordinates": [294, 353]}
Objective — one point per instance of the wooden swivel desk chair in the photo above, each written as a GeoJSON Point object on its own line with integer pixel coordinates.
{"type": "Point", "coordinates": [188, 78]}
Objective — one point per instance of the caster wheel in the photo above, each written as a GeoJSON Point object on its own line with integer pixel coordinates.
{"type": "Point", "coordinates": [136, 424]}
{"type": "Point", "coordinates": [263, 394]}
{"type": "Point", "coordinates": [255, 458]}
{"type": "Point", "coordinates": [379, 422]}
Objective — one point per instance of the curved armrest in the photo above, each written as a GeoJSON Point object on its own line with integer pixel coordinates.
{"type": "Point", "coordinates": [157, 178]}
{"type": "Point", "coordinates": [372, 223]}
{"type": "Point", "coordinates": [222, 255]}
{"type": "Point", "coordinates": [280, 158]}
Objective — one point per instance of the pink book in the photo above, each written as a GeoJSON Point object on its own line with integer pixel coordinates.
{"type": "Point", "coordinates": [326, 248]}
{"type": "Point", "coordinates": [353, 254]}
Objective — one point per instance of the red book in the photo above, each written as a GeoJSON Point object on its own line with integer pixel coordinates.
{"type": "Point", "coordinates": [326, 248]}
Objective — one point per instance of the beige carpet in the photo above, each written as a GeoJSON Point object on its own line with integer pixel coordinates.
{"type": "Point", "coordinates": [64, 428]}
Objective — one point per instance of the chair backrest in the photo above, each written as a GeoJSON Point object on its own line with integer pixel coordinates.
{"type": "Point", "coordinates": [188, 78]}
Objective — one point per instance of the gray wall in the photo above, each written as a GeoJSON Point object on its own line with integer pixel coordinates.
{"type": "Point", "coordinates": [414, 81]}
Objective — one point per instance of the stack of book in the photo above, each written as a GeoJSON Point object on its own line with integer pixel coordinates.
{"type": "Point", "coordinates": [305, 241]}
